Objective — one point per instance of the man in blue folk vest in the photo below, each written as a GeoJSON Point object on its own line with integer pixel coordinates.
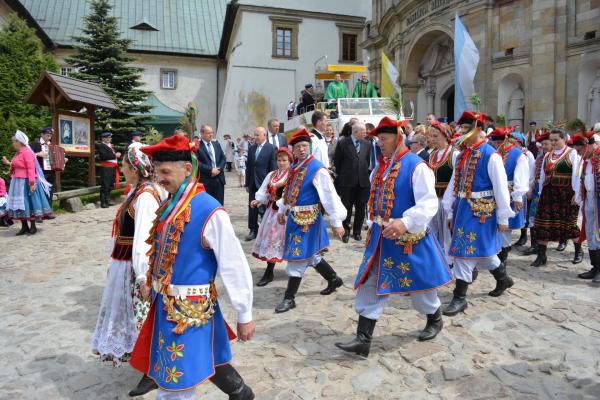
{"type": "Point", "coordinates": [516, 166]}
{"type": "Point", "coordinates": [185, 340]}
{"type": "Point", "coordinates": [402, 255]}
{"type": "Point", "coordinates": [309, 191]}
{"type": "Point", "coordinates": [477, 205]}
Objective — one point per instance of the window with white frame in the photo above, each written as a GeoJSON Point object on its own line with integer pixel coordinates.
{"type": "Point", "coordinates": [168, 79]}
{"type": "Point", "coordinates": [66, 71]}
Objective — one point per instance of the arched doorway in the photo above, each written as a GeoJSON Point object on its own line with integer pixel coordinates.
{"type": "Point", "coordinates": [429, 72]}
{"type": "Point", "coordinates": [511, 100]}
{"type": "Point", "coordinates": [447, 108]}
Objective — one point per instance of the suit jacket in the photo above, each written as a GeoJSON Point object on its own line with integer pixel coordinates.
{"type": "Point", "coordinates": [105, 153]}
{"type": "Point", "coordinates": [352, 168]}
{"type": "Point", "coordinates": [205, 164]}
{"type": "Point", "coordinates": [281, 138]}
{"type": "Point", "coordinates": [36, 147]}
{"type": "Point", "coordinates": [424, 154]}
{"type": "Point", "coordinates": [258, 168]}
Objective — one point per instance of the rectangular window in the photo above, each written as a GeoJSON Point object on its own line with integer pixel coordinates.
{"type": "Point", "coordinates": [65, 71]}
{"type": "Point", "coordinates": [349, 47]}
{"type": "Point", "coordinates": [168, 79]}
{"type": "Point", "coordinates": [283, 42]}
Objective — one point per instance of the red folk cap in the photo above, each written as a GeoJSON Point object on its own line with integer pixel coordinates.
{"type": "Point", "coordinates": [388, 125]}
{"type": "Point", "coordinates": [284, 150]}
{"type": "Point", "coordinates": [499, 133]}
{"type": "Point", "coordinates": [578, 140]}
{"type": "Point", "coordinates": [301, 135]}
{"type": "Point", "coordinates": [169, 145]}
{"type": "Point", "coordinates": [469, 117]}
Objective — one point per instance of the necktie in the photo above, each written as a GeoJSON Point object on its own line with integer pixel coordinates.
{"type": "Point", "coordinates": [274, 140]}
{"type": "Point", "coordinates": [357, 146]}
{"type": "Point", "coordinates": [257, 152]}
{"type": "Point", "coordinates": [211, 153]}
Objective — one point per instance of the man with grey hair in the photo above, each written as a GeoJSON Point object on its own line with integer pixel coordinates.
{"type": "Point", "coordinates": [261, 161]}
{"type": "Point", "coordinates": [273, 136]}
{"type": "Point", "coordinates": [351, 161]}
{"type": "Point", "coordinates": [211, 163]}
{"type": "Point", "coordinates": [418, 146]}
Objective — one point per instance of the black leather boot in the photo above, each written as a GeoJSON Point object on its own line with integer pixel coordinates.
{"type": "Point", "coordinates": [229, 381]}
{"type": "Point", "coordinates": [541, 258]}
{"type": "Point", "coordinates": [145, 385]}
{"type": "Point", "coordinates": [32, 228]}
{"type": "Point", "coordinates": [103, 200]}
{"type": "Point", "coordinates": [503, 255]}
{"type": "Point", "coordinates": [459, 299]}
{"type": "Point", "coordinates": [333, 281]}
{"type": "Point", "coordinates": [433, 327]}
{"type": "Point", "coordinates": [290, 294]}
{"type": "Point", "coordinates": [594, 260]}
{"type": "Point", "coordinates": [474, 274]}
{"type": "Point", "coordinates": [24, 229]}
{"type": "Point", "coordinates": [561, 246]}
{"type": "Point", "coordinates": [533, 249]}
{"type": "Point", "coordinates": [503, 281]}
{"type": "Point", "coordinates": [361, 344]}
{"type": "Point", "coordinates": [578, 258]}
{"type": "Point", "coordinates": [268, 276]}
{"type": "Point", "coordinates": [523, 238]}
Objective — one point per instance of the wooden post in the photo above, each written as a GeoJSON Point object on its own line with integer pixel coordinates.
{"type": "Point", "coordinates": [92, 159]}
{"type": "Point", "coordinates": [55, 139]}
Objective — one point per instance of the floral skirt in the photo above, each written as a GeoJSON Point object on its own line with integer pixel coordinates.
{"type": "Point", "coordinates": [23, 204]}
{"type": "Point", "coordinates": [269, 242]}
{"type": "Point", "coordinates": [556, 216]}
{"type": "Point", "coordinates": [121, 316]}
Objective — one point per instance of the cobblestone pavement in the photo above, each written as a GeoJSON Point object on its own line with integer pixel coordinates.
{"type": "Point", "coordinates": [540, 341]}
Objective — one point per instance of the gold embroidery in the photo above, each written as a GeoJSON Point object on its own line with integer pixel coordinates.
{"type": "Point", "coordinates": [482, 208]}
{"type": "Point", "coordinates": [186, 313]}
{"type": "Point", "coordinates": [305, 218]}
{"type": "Point", "coordinates": [408, 240]}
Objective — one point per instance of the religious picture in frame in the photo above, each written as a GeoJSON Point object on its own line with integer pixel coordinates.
{"type": "Point", "coordinates": [74, 134]}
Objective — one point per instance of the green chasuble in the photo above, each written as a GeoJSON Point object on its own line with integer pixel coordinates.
{"type": "Point", "coordinates": [336, 90]}
{"type": "Point", "coordinates": [363, 89]}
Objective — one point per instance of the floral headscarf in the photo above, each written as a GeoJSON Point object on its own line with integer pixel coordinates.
{"type": "Point", "coordinates": [139, 160]}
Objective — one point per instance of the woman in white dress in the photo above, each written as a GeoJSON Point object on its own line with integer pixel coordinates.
{"type": "Point", "coordinates": [123, 310]}
{"type": "Point", "coordinates": [269, 242]}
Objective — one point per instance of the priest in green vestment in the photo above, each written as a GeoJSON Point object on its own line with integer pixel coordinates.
{"type": "Point", "coordinates": [364, 88]}
{"type": "Point", "coordinates": [337, 89]}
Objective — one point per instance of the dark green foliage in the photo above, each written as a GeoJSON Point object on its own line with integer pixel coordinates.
{"type": "Point", "coordinates": [576, 125]}
{"type": "Point", "coordinates": [102, 58]}
{"type": "Point", "coordinates": [21, 65]}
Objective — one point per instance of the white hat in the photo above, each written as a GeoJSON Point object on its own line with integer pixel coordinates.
{"type": "Point", "coordinates": [21, 137]}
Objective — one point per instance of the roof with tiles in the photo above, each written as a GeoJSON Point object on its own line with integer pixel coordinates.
{"type": "Point", "coordinates": [190, 27]}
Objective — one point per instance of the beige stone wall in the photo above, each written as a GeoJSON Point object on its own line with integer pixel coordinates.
{"type": "Point", "coordinates": [549, 54]}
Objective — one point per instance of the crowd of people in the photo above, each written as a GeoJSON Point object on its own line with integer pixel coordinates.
{"type": "Point", "coordinates": [439, 201]}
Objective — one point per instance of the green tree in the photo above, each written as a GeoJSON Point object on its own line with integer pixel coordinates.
{"type": "Point", "coordinates": [102, 58]}
{"type": "Point", "coordinates": [22, 62]}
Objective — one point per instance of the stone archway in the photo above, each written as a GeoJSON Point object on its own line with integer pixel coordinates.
{"type": "Point", "coordinates": [447, 104]}
{"type": "Point", "coordinates": [511, 99]}
{"type": "Point", "coordinates": [429, 72]}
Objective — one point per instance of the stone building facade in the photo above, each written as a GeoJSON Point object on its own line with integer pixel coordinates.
{"type": "Point", "coordinates": [539, 59]}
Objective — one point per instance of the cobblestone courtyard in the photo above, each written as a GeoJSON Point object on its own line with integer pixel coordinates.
{"type": "Point", "coordinates": [540, 341]}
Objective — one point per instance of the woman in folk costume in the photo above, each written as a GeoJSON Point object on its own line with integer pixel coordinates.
{"type": "Point", "coordinates": [402, 256]}
{"type": "Point", "coordinates": [557, 212]}
{"type": "Point", "coordinates": [517, 172]}
{"type": "Point", "coordinates": [441, 161]}
{"type": "Point", "coordinates": [122, 309]}
{"type": "Point", "coordinates": [27, 195]}
{"type": "Point", "coordinates": [270, 239]}
{"type": "Point", "coordinates": [477, 204]}
{"type": "Point", "coordinates": [185, 339]}
{"type": "Point", "coordinates": [533, 195]}
{"type": "Point", "coordinates": [588, 197]}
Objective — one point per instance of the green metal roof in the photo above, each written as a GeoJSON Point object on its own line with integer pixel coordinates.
{"type": "Point", "coordinates": [162, 113]}
{"type": "Point", "coordinates": [191, 27]}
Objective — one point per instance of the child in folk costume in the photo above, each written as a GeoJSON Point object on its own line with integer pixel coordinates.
{"type": "Point", "coordinates": [239, 162]}
{"type": "Point", "coordinates": [271, 234]}
{"type": "Point", "coordinates": [123, 310]}
{"type": "Point", "coordinates": [402, 256]}
{"type": "Point", "coordinates": [588, 199]}
{"type": "Point", "coordinates": [4, 220]}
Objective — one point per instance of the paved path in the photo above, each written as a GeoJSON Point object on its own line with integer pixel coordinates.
{"type": "Point", "coordinates": [541, 341]}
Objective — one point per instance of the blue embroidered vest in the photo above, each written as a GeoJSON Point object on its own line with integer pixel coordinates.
{"type": "Point", "coordinates": [415, 265]}
{"type": "Point", "coordinates": [182, 361]}
{"type": "Point", "coordinates": [510, 164]}
{"type": "Point", "coordinates": [475, 226]}
{"type": "Point", "coordinates": [305, 231]}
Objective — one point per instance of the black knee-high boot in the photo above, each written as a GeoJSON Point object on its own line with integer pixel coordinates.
{"type": "Point", "coordinates": [333, 281]}
{"type": "Point", "coordinates": [523, 238]}
{"type": "Point", "coordinates": [361, 344]}
{"type": "Point", "coordinates": [595, 261]}
{"type": "Point", "coordinates": [268, 275]}
{"type": "Point", "coordinates": [533, 249]}
{"type": "Point", "coordinates": [578, 258]}
{"type": "Point", "coordinates": [289, 301]}
{"type": "Point", "coordinates": [145, 385]}
{"type": "Point", "coordinates": [32, 228]}
{"type": "Point", "coordinates": [503, 281]}
{"type": "Point", "coordinates": [229, 381]}
{"type": "Point", "coordinates": [459, 299]}
{"type": "Point", "coordinates": [541, 258]}
{"type": "Point", "coordinates": [24, 228]}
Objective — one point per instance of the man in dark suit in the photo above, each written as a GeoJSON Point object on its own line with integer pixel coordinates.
{"type": "Point", "coordinates": [109, 164]}
{"type": "Point", "coordinates": [351, 161]}
{"type": "Point", "coordinates": [261, 161]}
{"type": "Point", "coordinates": [273, 136]}
{"type": "Point", "coordinates": [212, 163]}
{"type": "Point", "coordinates": [418, 145]}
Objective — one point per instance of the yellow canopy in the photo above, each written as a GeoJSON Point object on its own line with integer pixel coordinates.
{"type": "Point", "coordinates": [346, 68]}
